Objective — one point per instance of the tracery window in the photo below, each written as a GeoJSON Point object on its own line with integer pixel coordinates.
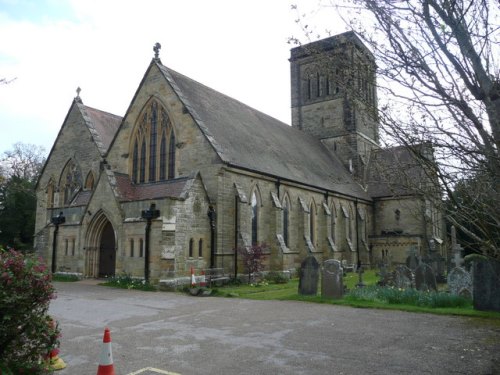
{"type": "Point", "coordinates": [70, 182]}
{"type": "Point", "coordinates": [153, 146]}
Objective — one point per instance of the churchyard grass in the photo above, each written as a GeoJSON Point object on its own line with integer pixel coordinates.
{"type": "Point", "coordinates": [371, 296]}
{"type": "Point", "coordinates": [65, 277]}
{"type": "Point", "coordinates": [127, 282]}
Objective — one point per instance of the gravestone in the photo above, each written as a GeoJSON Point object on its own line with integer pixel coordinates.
{"type": "Point", "coordinates": [309, 276]}
{"type": "Point", "coordinates": [412, 260]}
{"type": "Point", "coordinates": [460, 282]}
{"type": "Point", "coordinates": [402, 277]}
{"type": "Point", "coordinates": [425, 279]}
{"type": "Point", "coordinates": [486, 285]}
{"type": "Point", "coordinates": [332, 283]}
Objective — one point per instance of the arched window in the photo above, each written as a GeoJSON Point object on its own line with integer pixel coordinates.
{"type": "Point", "coordinates": [333, 228]}
{"type": "Point", "coordinates": [349, 223]}
{"type": "Point", "coordinates": [70, 182]}
{"type": "Point", "coordinates": [254, 202]}
{"type": "Point", "coordinates": [142, 169]}
{"type": "Point", "coordinates": [171, 156]}
{"type": "Point", "coordinates": [200, 248]}
{"type": "Point", "coordinates": [163, 157]}
{"type": "Point", "coordinates": [152, 142]}
{"type": "Point", "coordinates": [141, 247]}
{"type": "Point", "coordinates": [135, 162]}
{"type": "Point", "coordinates": [89, 181]}
{"type": "Point", "coordinates": [153, 146]}
{"type": "Point", "coordinates": [286, 220]}
{"type": "Point", "coordinates": [312, 222]}
{"type": "Point", "coordinates": [131, 247]}
{"type": "Point", "coordinates": [191, 243]}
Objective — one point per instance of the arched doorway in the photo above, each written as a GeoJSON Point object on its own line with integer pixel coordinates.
{"type": "Point", "coordinates": [107, 252]}
{"type": "Point", "coordinates": [100, 247]}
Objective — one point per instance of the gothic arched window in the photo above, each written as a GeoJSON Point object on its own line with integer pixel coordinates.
{"type": "Point", "coordinates": [286, 220]}
{"type": "Point", "coordinates": [70, 182]}
{"type": "Point", "coordinates": [89, 181]}
{"type": "Point", "coordinates": [254, 202]}
{"type": "Point", "coordinates": [312, 222]}
{"type": "Point", "coordinates": [171, 156]}
{"type": "Point", "coordinates": [50, 194]}
{"type": "Point", "coordinates": [333, 228]}
{"type": "Point", "coordinates": [153, 146]}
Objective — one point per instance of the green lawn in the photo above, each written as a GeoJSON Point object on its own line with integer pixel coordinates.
{"type": "Point", "coordinates": [289, 291]}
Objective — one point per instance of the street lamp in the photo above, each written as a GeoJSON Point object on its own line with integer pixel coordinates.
{"type": "Point", "coordinates": [149, 215]}
{"type": "Point", "coordinates": [56, 220]}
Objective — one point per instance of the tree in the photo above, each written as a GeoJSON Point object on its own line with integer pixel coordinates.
{"type": "Point", "coordinates": [19, 170]}
{"type": "Point", "coordinates": [439, 80]}
{"type": "Point", "coordinates": [253, 258]}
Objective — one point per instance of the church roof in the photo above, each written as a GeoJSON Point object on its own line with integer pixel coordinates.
{"type": "Point", "coordinates": [246, 138]}
{"type": "Point", "coordinates": [177, 188]}
{"type": "Point", "coordinates": [102, 125]}
{"type": "Point", "coordinates": [394, 171]}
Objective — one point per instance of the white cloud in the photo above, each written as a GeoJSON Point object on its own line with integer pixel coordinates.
{"type": "Point", "coordinates": [236, 47]}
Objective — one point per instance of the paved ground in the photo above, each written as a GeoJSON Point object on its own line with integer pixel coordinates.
{"type": "Point", "coordinates": [154, 333]}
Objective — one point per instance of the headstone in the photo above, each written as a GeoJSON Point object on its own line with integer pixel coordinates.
{"type": "Point", "coordinates": [486, 285]}
{"type": "Point", "coordinates": [403, 277]}
{"type": "Point", "coordinates": [309, 276]}
{"type": "Point", "coordinates": [425, 279]}
{"type": "Point", "coordinates": [412, 261]}
{"type": "Point", "coordinates": [332, 283]}
{"type": "Point", "coordinates": [459, 280]}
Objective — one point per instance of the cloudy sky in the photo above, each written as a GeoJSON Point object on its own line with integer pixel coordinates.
{"type": "Point", "coordinates": [48, 48]}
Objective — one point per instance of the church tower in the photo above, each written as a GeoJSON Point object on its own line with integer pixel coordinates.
{"type": "Point", "coordinates": [334, 97]}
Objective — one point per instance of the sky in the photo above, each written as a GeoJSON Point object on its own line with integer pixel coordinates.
{"type": "Point", "coordinates": [48, 48]}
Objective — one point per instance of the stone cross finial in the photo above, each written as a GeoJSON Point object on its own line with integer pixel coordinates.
{"type": "Point", "coordinates": [78, 90]}
{"type": "Point", "coordinates": [156, 49]}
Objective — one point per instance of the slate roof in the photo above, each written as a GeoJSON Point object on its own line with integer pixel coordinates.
{"type": "Point", "coordinates": [394, 172]}
{"type": "Point", "coordinates": [176, 188]}
{"type": "Point", "coordinates": [82, 198]}
{"type": "Point", "coordinates": [102, 125]}
{"type": "Point", "coordinates": [246, 138]}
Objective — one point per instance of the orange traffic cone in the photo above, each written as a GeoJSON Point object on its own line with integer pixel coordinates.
{"type": "Point", "coordinates": [193, 278]}
{"type": "Point", "coordinates": [203, 281]}
{"type": "Point", "coordinates": [106, 366]}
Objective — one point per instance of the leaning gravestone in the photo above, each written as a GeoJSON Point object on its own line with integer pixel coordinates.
{"type": "Point", "coordinates": [425, 279]}
{"type": "Point", "coordinates": [486, 285]}
{"type": "Point", "coordinates": [402, 277]}
{"type": "Point", "coordinates": [309, 276]}
{"type": "Point", "coordinates": [332, 283]}
{"type": "Point", "coordinates": [460, 282]}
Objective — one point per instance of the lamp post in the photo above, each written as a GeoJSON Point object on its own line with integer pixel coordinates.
{"type": "Point", "coordinates": [56, 220]}
{"type": "Point", "coordinates": [149, 215]}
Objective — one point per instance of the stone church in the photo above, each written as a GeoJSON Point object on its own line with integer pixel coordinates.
{"type": "Point", "coordinates": [189, 174]}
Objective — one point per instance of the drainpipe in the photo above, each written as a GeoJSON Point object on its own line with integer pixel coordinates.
{"type": "Point", "coordinates": [357, 231]}
{"type": "Point", "coordinates": [212, 216]}
{"type": "Point", "coordinates": [236, 232]}
{"type": "Point", "coordinates": [56, 220]}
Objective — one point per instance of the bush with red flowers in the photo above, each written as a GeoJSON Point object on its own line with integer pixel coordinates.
{"type": "Point", "coordinates": [27, 332]}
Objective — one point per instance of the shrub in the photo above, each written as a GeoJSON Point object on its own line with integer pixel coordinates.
{"type": "Point", "coordinates": [413, 297]}
{"type": "Point", "coordinates": [27, 332]}
{"type": "Point", "coordinates": [126, 281]}
{"type": "Point", "coordinates": [277, 277]}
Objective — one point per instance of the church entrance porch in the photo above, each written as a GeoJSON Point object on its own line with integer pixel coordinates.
{"type": "Point", "coordinates": [107, 252]}
{"type": "Point", "coordinates": [100, 249]}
